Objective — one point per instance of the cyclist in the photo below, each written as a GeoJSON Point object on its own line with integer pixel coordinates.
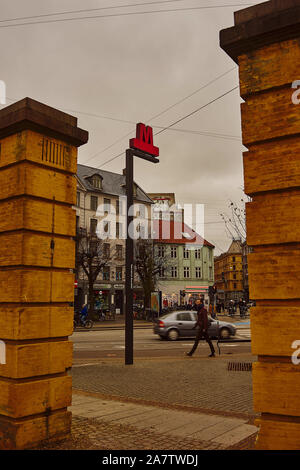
{"type": "Point", "coordinates": [83, 313]}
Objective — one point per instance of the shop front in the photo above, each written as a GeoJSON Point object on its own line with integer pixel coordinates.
{"type": "Point", "coordinates": [102, 297]}
{"type": "Point", "coordinates": [119, 299]}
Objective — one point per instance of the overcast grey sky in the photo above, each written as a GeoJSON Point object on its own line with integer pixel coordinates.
{"type": "Point", "coordinates": [131, 68]}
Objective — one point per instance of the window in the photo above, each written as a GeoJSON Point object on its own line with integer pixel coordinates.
{"type": "Point", "coordinates": [107, 228]}
{"type": "Point", "coordinates": [106, 250]}
{"type": "Point", "coordinates": [119, 273]}
{"type": "Point", "coordinates": [96, 181]}
{"type": "Point", "coordinates": [119, 251]}
{"type": "Point", "coordinates": [161, 272]}
{"type": "Point", "coordinates": [186, 272]}
{"type": "Point", "coordinates": [198, 253]}
{"type": "Point", "coordinates": [106, 273]}
{"type": "Point", "coordinates": [186, 253]}
{"type": "Point", "coordinates": [234, 267]}
{"type": "Point", "coordinates": [210, 272]}
{"type": "Point", "coordinates": [161, 251]}
{"type": "Point", "coordinates": [184, 317]}
{"type": "Point", "coordinates": [119, 207]}
{"type": "Point", "coordinates": [119, 229]}
{"type": "Point", "coordinates": [174, 271]}
{"type": "Point", "coordinates": [198, 273]}
{"type": "Point", "coordinates": [142, 211]}
{"type": "Point", "coordinates": [106, 205]}
{"type": "Point", "coordinates": [93, 247]}
{"type": "Point", "coordinates": [173, 251]}
{"type": "Point", "coordinates": [234, 276]}
{"type": "Point", "coordinates": [78, 199]}
{"type": "Point", "coordinates": [234, 285]}
{"type": "Point", "coordinates": [93, 226]}
{"type": "Point", "coordinates": [233, 259]}
{"type": "Point", "coordinates": [142, 231]}
{"type": "Point", "coordinates": [94, 203]}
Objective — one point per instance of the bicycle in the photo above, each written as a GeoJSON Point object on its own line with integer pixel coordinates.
{"type": "Point", "coordinates": [85, 323]}
{"type": "Point", "coordinates": [100, 315]}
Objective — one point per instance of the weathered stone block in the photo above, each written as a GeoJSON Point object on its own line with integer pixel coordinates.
{"type": "Point", "coordinates": [33, 249]}
{"type": "Point", "coordinates": [38, 215]}
{"type": "Point", "coordinates": [276, 434]}
{"type": "Point", "coordinates": [35, 359]}
{"type": "Point", "coordinates": [274, 218]}
{"type": "Point", "coordinates": [272, 166]}
{"type": "Point", "coordinates": [18, 400]}
{"type": "Point", "coordinates": [274, 274]}
{"type": "Point", "coordinates": [31, 322]}
{"type": "Point", "coordinates": [23, 434]}
{"type": "Point", "coordinates": [36, 285]}
{"type": "Point", "coordinates": [276, 388]}
{"type": "Point", "coordinates": [30, 179]}
{"type": "Point", "coordinates": [274, 329]}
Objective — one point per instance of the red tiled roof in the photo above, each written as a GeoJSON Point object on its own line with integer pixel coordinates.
{"type": "Point", "coordinates": [172, 232]}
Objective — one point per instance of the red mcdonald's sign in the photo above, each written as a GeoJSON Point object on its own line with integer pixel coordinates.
{"type": "Point", "coordinates": [144, 140]}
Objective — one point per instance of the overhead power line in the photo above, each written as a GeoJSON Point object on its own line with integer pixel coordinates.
{"type": "Point", "coordinates": [59, 20]}
{"type": "Point", "coordinates": [188, 131]}
{"type": "Point", "coordinates": [164, 111]}
{"type": "Point", "coordinates": [88, 10]}
{"type": "Point", "coordinates": [179, 120]}
{"type": "Point", "coordinates": [197, 110]}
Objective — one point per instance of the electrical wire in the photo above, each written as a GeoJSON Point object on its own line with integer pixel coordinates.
{"type": "Point", "coordinates": [179, 120]}
{"type": "Point", "coordinates": [123, 14]}
{"type": "Point", "coordinates": [87, 10]}
{"type": "Point", "coordinates": [164, 111]}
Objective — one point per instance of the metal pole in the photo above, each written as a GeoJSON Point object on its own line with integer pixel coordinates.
{"type": "Point", "coordinates": [129, 263]}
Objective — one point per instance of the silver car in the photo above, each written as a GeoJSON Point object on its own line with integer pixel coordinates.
{"type": "Point", "coordinates": [180, 324]}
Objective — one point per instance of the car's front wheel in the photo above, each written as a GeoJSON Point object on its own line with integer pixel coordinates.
{"type": "Point", "coordinates": [173, 335]}
{"type": "Point", "coordinates": [224, 333]}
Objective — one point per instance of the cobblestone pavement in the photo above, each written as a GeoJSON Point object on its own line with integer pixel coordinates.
{"type": "Point", "coordinates": [90, 434]}
{"type": "Point", "coordinates": [197, 382]}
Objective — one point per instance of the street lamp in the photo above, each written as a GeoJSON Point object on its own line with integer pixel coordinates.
{"type": "Point", "coordinates": [141, 147]}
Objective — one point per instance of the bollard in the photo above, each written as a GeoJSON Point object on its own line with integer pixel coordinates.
{"type": "Point", "coordinates": [38, 163]}
{"type": "Point", "coordinates": [265, 43]}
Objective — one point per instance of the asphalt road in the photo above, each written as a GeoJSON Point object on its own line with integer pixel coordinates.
{"type": "Point", "coordinates": [93, 345]}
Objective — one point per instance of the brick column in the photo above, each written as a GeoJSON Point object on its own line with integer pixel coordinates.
{"type": "Point", "coordinates": [265, 42]}
{"type": "Point", "coordinates": [38, 159]}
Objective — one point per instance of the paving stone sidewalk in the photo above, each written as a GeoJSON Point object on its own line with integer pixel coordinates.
{"type": "Point", "coordinates": [161, 404]}
{"type": "Point", "coordinates": [110, 425]}
{"type": "Point", "coordinates": [197, 382]}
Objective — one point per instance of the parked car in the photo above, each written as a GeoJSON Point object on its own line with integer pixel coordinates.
{"type": "Point", "coordinates": [179, 324]}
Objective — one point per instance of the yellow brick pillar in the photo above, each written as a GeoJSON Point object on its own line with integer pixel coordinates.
{"type": "Point", "coordinates": [38, 159]}
{"type": "Point", "coordinates": [265, 42]}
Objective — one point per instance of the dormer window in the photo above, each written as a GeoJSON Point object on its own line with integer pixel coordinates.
{"type": "Point", "coordinates": [96, 181]}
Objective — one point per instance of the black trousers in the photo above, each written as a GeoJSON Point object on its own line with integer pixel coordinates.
{"type": "Point", "coordinates": [202, 334]}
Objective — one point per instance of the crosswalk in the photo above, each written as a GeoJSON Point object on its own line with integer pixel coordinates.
{"type": "Point", "coordinates": [244, 333]}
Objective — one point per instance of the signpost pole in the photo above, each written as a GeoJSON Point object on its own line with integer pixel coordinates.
{"type": "Point", "coordinates": [141, 147]}
{"type": "Point", "coordinates": [129, 262]}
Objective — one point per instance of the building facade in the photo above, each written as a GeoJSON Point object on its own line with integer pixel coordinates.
{"type": "Point", "coordinates": [189, 263]}
{"type": "Point", "coordinates": [229, 273]}
{"type": "Point", "coordinates": [101, 199]}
